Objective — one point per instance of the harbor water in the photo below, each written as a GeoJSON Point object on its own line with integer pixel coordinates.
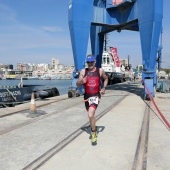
{"type": "Point", "coordinates": [61, 85]}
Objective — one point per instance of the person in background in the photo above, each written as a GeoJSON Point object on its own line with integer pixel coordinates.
{"type": "Point", "coordinates": [90, 78]}
{"type": "Point", "coordinates": [134, 77]}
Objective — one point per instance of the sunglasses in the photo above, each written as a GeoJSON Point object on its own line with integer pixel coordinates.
{"type": "Point", "coordinates": [90, 62]}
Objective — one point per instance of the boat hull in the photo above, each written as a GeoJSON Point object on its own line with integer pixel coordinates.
{"type": "Point", "coordinates": [11, 96]}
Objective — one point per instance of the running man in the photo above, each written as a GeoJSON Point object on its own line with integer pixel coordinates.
{"type": "Point", "coordinates": [90, 78]}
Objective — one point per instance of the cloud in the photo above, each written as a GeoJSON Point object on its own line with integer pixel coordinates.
{"type": "Point", "coordinates": [15, 35]}
{"type": "Point", "coordinates": [20, 36]}
{"type": "Point", "coordinates": [52, 29]}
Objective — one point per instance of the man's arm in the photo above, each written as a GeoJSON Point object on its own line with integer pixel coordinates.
{"type": "Point", "coordinates": [105, 78]}
{"type": "Point", "coordinates": [81, 79]}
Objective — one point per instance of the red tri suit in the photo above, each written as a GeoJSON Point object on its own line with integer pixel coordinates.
{"type": "Point", "coordinates": [92, 88]}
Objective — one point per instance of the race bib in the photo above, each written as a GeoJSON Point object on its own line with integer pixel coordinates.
{"type": "Point", "coordinates": [93, 100]}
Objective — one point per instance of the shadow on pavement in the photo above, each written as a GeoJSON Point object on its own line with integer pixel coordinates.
{"type": "Point", "coordinates": [87, 129]}
{"type": "Point", "coordinates": [134, 88]}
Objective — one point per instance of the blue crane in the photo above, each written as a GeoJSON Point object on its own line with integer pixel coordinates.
{"type": "Point", "coordinates": [95, 18]}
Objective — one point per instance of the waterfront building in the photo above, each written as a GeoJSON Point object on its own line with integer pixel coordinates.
{"type": "Point", "coordinates": [55, 70]}
{"type": "Point", "coordinates": [6, 66]}
{"type": "Point", "coordinates": [21, 66]}
{"type": "Point", "coordinates": [54, 63]}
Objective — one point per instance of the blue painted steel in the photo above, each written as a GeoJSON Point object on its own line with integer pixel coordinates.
{"type": "Point", "coordinates": [98, 17]}
{"type": "Point", "coordinates": [148, 84]}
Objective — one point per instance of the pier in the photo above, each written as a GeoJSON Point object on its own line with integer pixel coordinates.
{"type": "Point", "coordinates": [132, 134]}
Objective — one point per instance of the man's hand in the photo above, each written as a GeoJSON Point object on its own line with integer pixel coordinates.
{"type": "Point", "coordinates": [81, 80]}
{"type": "Point", "coordinates": [102, 91]}
{"type": "Point", "coordinates": [84, 80]}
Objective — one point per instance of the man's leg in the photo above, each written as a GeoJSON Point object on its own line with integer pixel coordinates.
{"type": "Point", "coordinates": [91, 113]}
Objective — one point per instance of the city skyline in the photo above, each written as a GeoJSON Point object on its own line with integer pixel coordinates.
{"type": "Point", "coordinates": [36, 31]}
{"type": "Point", "coordinates": [53, 62]}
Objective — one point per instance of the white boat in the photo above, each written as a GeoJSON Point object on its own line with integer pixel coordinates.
{"type": "Point", "coordinates": [46, 77]}
{"type": "Point", "coordinates": [107, 62]}
{"type": "Point", "coordinates": [111, 65]}
{"type": "Point", "coordinates": [33, 78]}
{"type": "Point", "coordinates": [111, 61]}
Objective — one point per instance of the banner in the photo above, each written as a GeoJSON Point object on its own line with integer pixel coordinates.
{"type": "Point", "coordinates": [115, 56]}
{"type": "Point", "coordinates": [116, 2]}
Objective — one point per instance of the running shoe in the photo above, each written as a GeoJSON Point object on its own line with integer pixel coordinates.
{"type": "Point", "coordinates": [93, 137]}
{"type": "Point", "coordinates": [97, 131]}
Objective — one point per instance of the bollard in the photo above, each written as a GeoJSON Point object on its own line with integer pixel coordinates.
{"type": "Point", "coordinates": [33, 111]}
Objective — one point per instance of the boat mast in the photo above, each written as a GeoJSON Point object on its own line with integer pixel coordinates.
{"type": "Point", "coordinates": [105, 42]}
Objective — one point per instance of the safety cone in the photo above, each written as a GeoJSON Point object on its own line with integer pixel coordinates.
{"type": "Point", "coordinates": [32, 105]}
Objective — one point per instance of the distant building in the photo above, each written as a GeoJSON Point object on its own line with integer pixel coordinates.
{"type": "Point", "coordinates": [21, 67]}
{"type": "Point", "coordinates": [54, 63]}
{"type": "Point", "coordinates": [31, 67]}
{"type": "Point", "coordinates": [43, 67]}
{"type": "Point", "coordinates": [61, 67]}
{"type": "Point", "coordinates": [8, 66]}
{"type": "Point", "coordinates": [124, 62]}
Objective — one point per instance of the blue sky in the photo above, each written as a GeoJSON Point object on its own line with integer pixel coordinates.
{"type": "Point", "coordinates": [36, 31]}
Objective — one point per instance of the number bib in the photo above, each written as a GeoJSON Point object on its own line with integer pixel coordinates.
{"type": "Point", "coordinates": [93, 100]}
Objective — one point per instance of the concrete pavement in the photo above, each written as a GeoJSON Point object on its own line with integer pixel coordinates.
{"type": "Point", "coordinates": [117, 140]}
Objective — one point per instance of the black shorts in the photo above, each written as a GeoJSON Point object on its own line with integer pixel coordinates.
{"type": "Point", "coordinates": [94, 105]}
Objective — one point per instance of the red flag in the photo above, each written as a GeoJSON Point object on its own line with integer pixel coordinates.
{"type": "Point", "coordinates": [115, 56]}
{"type": "Point", "coordinates": [115, 2]}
